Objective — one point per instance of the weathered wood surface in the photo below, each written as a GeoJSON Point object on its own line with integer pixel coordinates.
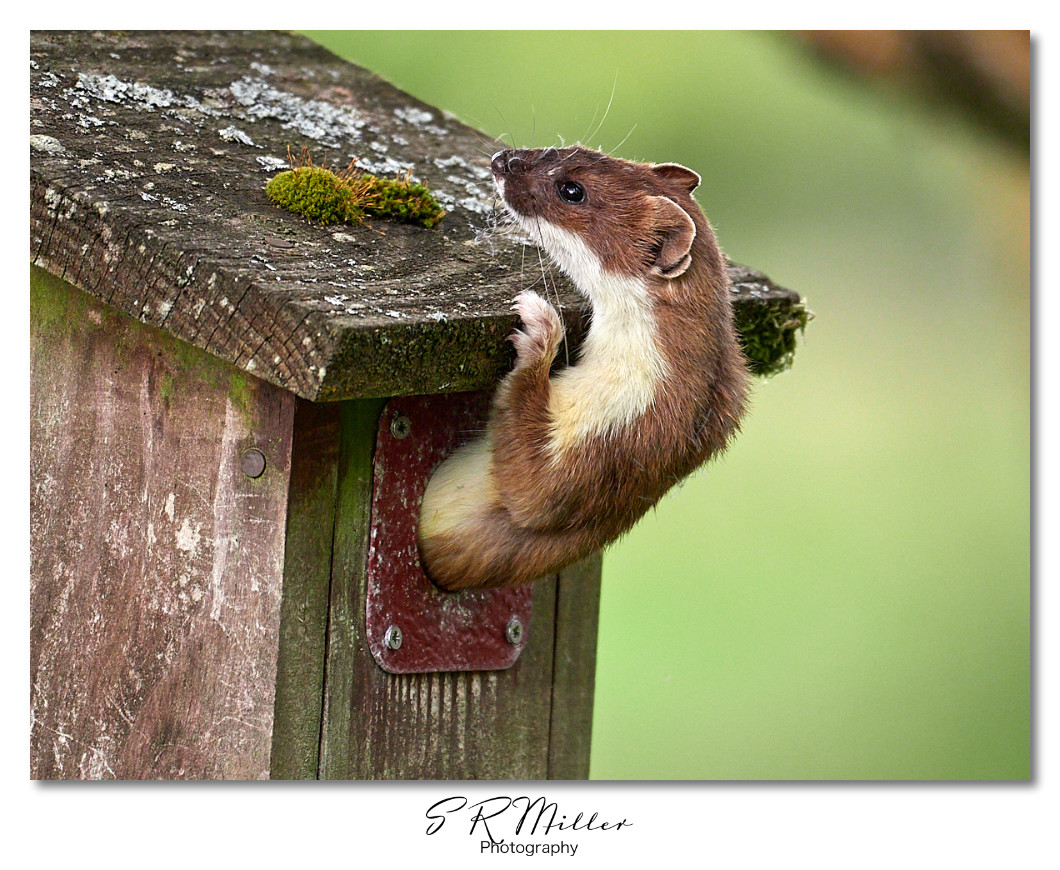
{"type": "Point", "coordinates": [156, 564]}
{"type": "Point", "coordinates": [149, 157]}
{"type": "Point", "coordinates": [574, 669]}
{"type": "Point", "coordinates": [306, 588]}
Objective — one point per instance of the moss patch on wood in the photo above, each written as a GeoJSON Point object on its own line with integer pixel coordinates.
{"type": "Point", "coordinates": [349, 195]}
{"type": "Point", "coordinates": [768, 331]}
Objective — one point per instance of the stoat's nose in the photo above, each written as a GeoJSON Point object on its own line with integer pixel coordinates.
{"type": "Point", "coordinates": [505, 162]}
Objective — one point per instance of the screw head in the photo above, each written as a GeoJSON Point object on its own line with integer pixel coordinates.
{"type": "Point", "coordinates": [400, 426]}
{"type": "Point", "coordinates": [252, 462]}
{"type": "Point", "coordinates": [393, 638]}
{"type": "Point", "coordinates": [513, 631]}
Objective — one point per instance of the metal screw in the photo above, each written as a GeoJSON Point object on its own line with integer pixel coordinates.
{"type": "Point", "coordinates": [514, 630]}
{"type": "Point", "coordinates": [400, 426]}
{"type": "Point", "coordinates": [392, 638]}
{"type": "Point", "coordinates": [253, 462]}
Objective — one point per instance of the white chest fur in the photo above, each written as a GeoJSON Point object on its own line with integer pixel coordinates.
{"type": "Point", "coordinates": [618, 370]}
{"type": "Point", "coordinates": [620, 365]}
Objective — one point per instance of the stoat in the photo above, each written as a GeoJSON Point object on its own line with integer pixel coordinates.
{"type": "Point", "coordinates": [569, 461]}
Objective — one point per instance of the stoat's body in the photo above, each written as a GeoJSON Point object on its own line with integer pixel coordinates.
{"type": "Point", "coordinates": [569, 462]}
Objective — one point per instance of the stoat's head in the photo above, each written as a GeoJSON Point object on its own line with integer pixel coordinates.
{"type": "Point", "coordinates": [593, 213]}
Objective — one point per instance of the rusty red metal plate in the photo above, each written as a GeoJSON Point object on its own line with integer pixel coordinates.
{"type": "Point", "coordinates": [412, 625]}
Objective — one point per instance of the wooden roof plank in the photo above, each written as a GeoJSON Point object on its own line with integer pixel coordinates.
{"type": "Point", "coordinates": [149, 157]}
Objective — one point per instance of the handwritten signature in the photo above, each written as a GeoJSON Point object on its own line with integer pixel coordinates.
{"type": "Point", "coordinates": [515, 815]}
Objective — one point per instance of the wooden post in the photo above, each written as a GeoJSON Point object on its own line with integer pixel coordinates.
{"type": "Point", "coordinates": [208, 372]}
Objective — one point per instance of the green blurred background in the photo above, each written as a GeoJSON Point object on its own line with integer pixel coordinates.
{"type": "Point", "coordinates": [846, 594]}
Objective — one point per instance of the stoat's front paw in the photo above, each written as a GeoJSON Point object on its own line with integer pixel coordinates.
{"type": "Point", "coordinates": [542, 329]}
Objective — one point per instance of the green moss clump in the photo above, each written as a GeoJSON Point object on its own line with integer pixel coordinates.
{"type": "Point", "coordinates": [315, 193]}
{"type": "Point", "coordinates": [768, 333]}
{"type": "Point", "coordinates": [328, 197]}
{"type": "Point", "coordinates": [404, 200]}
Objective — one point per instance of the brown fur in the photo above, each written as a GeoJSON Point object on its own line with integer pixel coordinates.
{"type": "Point", "coordinates": [550, 511]}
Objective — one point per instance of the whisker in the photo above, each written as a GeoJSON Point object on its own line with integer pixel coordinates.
{"type": "Point", "coordinates": [607, 111]}
{"type": "Point", "coordinates": [624, 138]}
{"type": "Point", "coordinates": [545, 271]}
{"type": "Point", "coordinates": [504, 121]}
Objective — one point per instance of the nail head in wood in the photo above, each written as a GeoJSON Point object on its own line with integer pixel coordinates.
{"type": "Point", "coordinates": [253, 462]}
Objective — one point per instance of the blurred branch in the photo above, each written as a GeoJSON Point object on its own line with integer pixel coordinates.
{"type": "Point", "coordinates": [985, 74]}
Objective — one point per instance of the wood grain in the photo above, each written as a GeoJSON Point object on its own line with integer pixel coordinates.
{"type": "Point", "coordinates": [574, 669]}
{"type": "Point", "coordinates": [156, 564]}
{"type": "Point", "coordinates": [306, 589]}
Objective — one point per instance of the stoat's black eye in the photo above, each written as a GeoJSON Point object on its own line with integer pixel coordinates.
{"type": "Point", "coordinates": [571, 191]}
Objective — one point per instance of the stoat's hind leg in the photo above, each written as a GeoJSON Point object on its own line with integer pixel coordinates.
{"type": "Point", "coordinates": [495, 552]}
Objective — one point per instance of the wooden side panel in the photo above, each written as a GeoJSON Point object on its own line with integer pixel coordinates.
{"type": "Point", "coordinates": [478, 725]}
{"type": "Point", "coordinates": [306, 586]}
{"type": "Point", "coordinates": [574, 669]}
{"type": "Point", "coordinates": [156, 563]}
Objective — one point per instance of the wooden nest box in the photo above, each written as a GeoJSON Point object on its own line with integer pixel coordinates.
{"type": "Point", "coordinates": [233, 412]}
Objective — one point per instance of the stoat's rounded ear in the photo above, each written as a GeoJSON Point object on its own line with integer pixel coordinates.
{"type": "Point", "coordinates": [674, 232]}
{"type": "Point", "coordinates": [684, 176]}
